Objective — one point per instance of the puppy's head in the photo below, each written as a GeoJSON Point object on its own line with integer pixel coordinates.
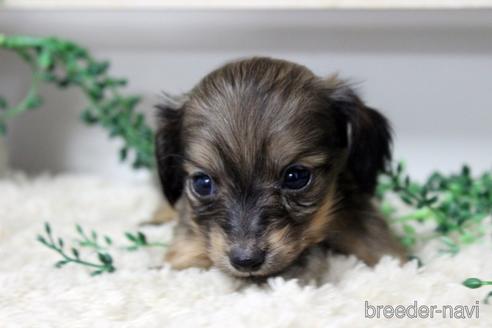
{"type": "Point", "coordinates": [257, 149]}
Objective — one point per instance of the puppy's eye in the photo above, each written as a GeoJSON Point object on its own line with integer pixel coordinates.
{"type": "Point", "coordinates": [202, 184]}
{"type": "Point", "coordinates": [296, 177]}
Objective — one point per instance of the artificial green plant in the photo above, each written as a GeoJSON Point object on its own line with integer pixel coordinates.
{"type": "Point", "coordinates": [66, 64]}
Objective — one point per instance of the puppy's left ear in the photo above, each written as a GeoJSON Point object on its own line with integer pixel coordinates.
{"type": "Point", "coordinates": [169, 148]}
{"type": "Point", "coordinates": [369, 135]}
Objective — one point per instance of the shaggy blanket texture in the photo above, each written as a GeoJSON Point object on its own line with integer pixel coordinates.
{"type": "Point", "coordinates": [144, 292]}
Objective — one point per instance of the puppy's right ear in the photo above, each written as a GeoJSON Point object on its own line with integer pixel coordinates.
{"type": "Point", "coordinates": [169, 148]}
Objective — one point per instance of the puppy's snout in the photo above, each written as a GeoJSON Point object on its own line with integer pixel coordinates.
{"type": "Point", "coordinates": [247, 260]}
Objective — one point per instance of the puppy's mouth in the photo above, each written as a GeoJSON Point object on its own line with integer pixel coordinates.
{"type": "Point", "coordinates": [260, 273]}
{"type": "Point", "coordinates": [269, 267]}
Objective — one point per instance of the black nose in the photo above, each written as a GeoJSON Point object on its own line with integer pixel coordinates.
{"type": "Point", "coordinates": [247, 260]}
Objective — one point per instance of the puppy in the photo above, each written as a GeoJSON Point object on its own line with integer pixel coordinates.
{"type": "Point", "coordinates": [263, 160]}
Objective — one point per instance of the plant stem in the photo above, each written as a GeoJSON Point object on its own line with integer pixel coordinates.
{"type": "Point", "coordinates": [75, 260]}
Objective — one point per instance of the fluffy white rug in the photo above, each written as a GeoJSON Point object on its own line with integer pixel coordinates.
{"type": "Point", "coordinates": [35, 294]}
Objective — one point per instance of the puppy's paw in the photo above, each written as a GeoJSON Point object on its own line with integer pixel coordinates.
{"type": "Point", "coordinates": [186, 254]}
{"type": "Point", "coordinates": [163, 214]}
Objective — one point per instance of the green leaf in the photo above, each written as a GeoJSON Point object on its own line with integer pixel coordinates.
{"type": "Point", "coordinates": [33, 101]}
{"type": "Point", "coordinates": [63, 83]}
{"type": "Point", "coordinates": [142, 238]}
{"type": "Point", "coordinates": [409, 230]}
{"type": "Point", "coordinates": [3, 103]}
{"type": "Point", "coordinates": [406, 199]}
{"type": "Point", "coordinates": [132, 101]}
{"type": "Point", "coordinates": [45, 59]}
{"type": "Point", "coordinates": [399, 168]}
{"type": "Point", "coordinates": [473, 283]}
{"type": "Point", "coordinates": [105, 258]}
{"type": "Point", "coordinates": [115, 82]}
{"type": "Point", "coordinates": [408, 241]}
{"type": "Point", "coordinates": [453, 248]}
{"type": "Point", "coordinates": [101, 257]}
{"type": "Point", "coordinates": [60, 264]}
{"type": "Point", "coordinates": [431, 201]}
{"type": "Point", "coordinates": [97, 68]}
{"type": "Point", "coordinates": [88, 117]}
{"type": "Point", "coordinates": [47, 228]}
{"type": "Point", "coordinates": [130, 237]}
{"type": "Point", "coordinates": [467, 238]}
{"type": "Point", "coordinates": [41, 239]}
{"type": "Point", "coordinates": [3, 128]}
{"type": "Point", "coordinates": [487, 298]}
{"type": "Point", "coordinates": [108, 240]}
{"type": "Point", "coordinates": [109, 259]}
{"type": "Point", "coordinates": [123, 153]}
{"type": "Point", "coordinates": [387, 209]}
{"type": "Point", "coordinates": [96, 94]}
{"type": "Point", "coordinates": [75, 253]}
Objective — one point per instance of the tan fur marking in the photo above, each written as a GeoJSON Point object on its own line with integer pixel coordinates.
{"type": "Point", "coordinates": [280, 244]}
{"type": "Point", "coordinates": [316, 231]}
{"type": "Point", "coordinates": [187, 252]}
{"type": "Point", "coordinates": [314, 160]}
{"type": "Point", "coordinates": [163, 214]}
{"type": "Point", "coordinates": [277, 237]}
{"type": "Point", "coordinates": [203, 154]}
{"type": "Point", "coordinates": [217, 246]}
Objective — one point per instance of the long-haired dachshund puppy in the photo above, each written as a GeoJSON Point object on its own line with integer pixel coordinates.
{"type": "Point", "coordinates": [263, 160]}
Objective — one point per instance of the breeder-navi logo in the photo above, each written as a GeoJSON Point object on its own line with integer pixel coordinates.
{"type": "Point", "coordinates": [422, 311]}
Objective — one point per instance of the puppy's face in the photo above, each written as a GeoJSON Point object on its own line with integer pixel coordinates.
{"type": "Point", "coordinates": [257, 148]}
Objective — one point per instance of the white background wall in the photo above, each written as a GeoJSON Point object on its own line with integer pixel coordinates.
{"type": "Point", "coordinates": [430, 72]}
